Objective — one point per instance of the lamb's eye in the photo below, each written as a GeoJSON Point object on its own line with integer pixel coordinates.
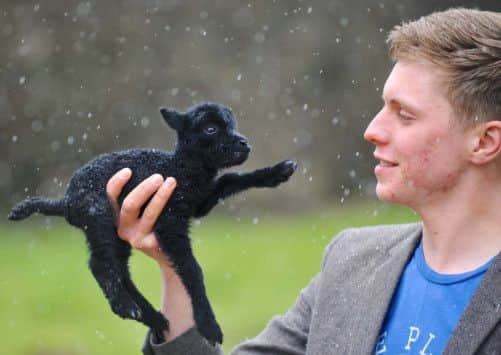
{"type": "Point", "coordinates": [210, 129]}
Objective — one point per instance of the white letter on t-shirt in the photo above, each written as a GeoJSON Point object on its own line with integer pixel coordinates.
{"type": "Point", "coordinates": [381, 346]}
{"type": "Point", "coordinates": [413, 336]}
{"type": "Point", "coordinates": [431, 337]}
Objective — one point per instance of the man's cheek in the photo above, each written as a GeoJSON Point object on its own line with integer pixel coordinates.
{"type": "Point", "coordinates": [416, 173]}
{"type": "Point", "coordinates": [422, 162]}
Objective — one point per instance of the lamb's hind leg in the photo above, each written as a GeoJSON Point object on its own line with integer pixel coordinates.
{"type": "Point", "coordinates": [108, 263]}
{"type": "Point", "coordinates": [178, 249]}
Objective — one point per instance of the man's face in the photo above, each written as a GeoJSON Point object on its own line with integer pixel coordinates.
{"type": "Point", "coordinates": [422, 154]}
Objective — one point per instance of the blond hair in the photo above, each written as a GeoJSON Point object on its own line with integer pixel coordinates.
{"type": "Point", "coordinates": [466, 45]}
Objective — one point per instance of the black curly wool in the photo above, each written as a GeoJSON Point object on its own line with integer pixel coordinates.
{"type": "Point", "coordinates": [207, 142]}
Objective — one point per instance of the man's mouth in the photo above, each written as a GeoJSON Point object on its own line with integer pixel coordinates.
{"type": "Point", "coordinates": [386, 164]}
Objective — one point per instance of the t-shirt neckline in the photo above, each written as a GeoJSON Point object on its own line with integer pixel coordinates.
{"type": "Point", "coordinates": [445, 279]}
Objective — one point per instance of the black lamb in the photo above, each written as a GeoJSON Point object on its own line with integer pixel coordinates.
{"type": "Point", "coordinates": [207, 141]}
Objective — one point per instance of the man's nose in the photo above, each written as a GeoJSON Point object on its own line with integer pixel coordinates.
{"type": "Point", "coordinates": [376, 132]}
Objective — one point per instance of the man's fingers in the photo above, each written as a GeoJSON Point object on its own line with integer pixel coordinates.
{"type": "Point", "coordinates": [115, 185]}
{"type": "Point", "coordinates": [149, 242]}
{"type": "Point", "coordinates": [157, 203]}
{"type": "Point", "coordinates": [132, 204]}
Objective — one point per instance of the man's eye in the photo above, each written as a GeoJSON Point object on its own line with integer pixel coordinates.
{"type": "Point", "coordinates": [210, 129]}
{"type": "Point", "coordinates": [403, 115]}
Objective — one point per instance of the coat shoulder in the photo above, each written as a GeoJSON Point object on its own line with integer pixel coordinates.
{"type": "Point", "coordinates": [359, 243]}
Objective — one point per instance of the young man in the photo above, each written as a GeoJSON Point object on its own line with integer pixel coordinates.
{"type": "Point", "coordinates": [427, 288]}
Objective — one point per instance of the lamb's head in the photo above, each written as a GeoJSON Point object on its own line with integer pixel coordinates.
{"type": "Point", "coordinates": [208, 132]}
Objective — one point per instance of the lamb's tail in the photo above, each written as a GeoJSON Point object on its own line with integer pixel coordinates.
{"type": "Point", "coordinates": [42, 205]}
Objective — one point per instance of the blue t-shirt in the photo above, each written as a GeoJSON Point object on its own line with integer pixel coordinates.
{"type": "Point", "coordinates": [425, 308]}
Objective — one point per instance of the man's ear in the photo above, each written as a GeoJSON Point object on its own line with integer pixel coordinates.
{"type": "Point", "coordinates": [486, 142]}
{"type": "Point", "coordinates": [174, 119]}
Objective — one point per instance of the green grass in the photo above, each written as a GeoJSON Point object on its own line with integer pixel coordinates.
{"type": "Point", "coordinates": [254, 269]}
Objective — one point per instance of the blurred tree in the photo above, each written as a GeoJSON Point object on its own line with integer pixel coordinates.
{"type": "Point", "coordinates": [79, 78]}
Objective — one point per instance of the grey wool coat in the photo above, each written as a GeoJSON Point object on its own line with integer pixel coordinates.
{"type": "Point", "coordinates": [343, 307]}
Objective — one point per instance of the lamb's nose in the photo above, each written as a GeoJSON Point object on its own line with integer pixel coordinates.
{"type": "Point", "coordinates": [244, 142]}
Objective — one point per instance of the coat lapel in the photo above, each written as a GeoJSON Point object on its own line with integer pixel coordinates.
{"type": "Point", "coordinates": [481, 315]}
{"type": "Point", "coordinates": [377, 292]}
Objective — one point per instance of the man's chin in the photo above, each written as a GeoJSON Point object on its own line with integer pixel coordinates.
{"type": "Point", "coordinates": [385, 194]}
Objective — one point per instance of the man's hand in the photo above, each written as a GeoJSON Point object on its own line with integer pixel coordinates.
{"type": "Point", "coordinates": [138, 231]}
{"type": "Point", "coordinates": [135, 229]}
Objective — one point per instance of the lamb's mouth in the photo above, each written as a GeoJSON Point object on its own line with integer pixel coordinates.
{"type": "Point", "coordinates": [238, 157]}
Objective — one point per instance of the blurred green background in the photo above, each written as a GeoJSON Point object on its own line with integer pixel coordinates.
{"type": "Point", "coordinates": [80, 78]}
{"type": "Point", "coordinates": [254, 269]}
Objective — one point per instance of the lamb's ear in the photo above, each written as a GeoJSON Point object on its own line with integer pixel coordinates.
{"type": "Point", "coordinates": [174, 119]}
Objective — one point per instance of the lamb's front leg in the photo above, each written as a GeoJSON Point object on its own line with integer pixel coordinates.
{"type": "Point", "coordinates": [175, 242]}
{"type": "Point", "coordinates": [232, 183]}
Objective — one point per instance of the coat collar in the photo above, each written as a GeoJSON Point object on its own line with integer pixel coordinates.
{"type": "Point", "coordinates": [378, 291]}
{"type": "Point", "coordinates": [368, 263]}
{"type": "Point", "coordinates": [480, 316]}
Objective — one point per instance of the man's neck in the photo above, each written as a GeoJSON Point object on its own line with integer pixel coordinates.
{"type": "Point", "coordinates": [462, 231]}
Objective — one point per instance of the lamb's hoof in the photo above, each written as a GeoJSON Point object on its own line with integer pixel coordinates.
{"type": "Point", "coordinates": [161, 325]}
{"type": "Point", "coordinates": [281, 172]}
{"type": "Point", "coordinates": [159, 322]}
{"type": "Point", "coordinates": [288, 168]}
{"type": "Point", "coordinates": [212, 332]}
{"type": "Point", "coordinates": [126, 308]}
